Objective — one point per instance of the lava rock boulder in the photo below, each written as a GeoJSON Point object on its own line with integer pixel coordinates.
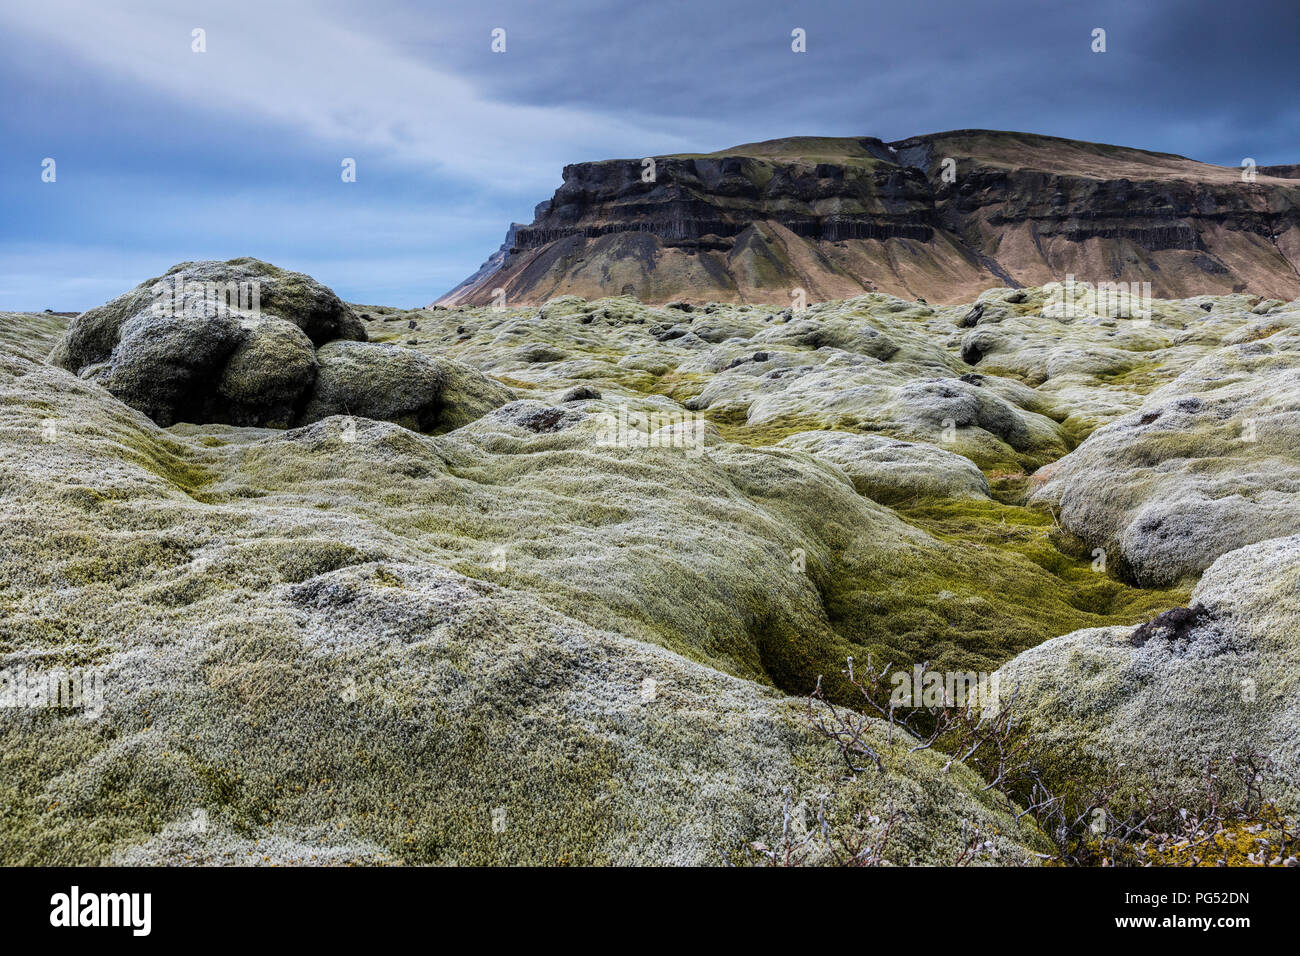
{"type": "Point", "coordinates": [371, 380]}
{"type": "Point", "coordinates": [230, 342]}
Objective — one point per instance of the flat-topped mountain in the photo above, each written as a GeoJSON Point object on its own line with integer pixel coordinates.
{"type": "Point", "coordinates": [939, 217]}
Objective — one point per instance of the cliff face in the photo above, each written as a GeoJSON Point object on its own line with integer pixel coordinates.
{"type": "Point", "coordinates": [940, 217]}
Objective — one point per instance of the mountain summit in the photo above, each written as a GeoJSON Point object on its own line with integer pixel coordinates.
{"type": "Point", "coordinates": [940, 217]}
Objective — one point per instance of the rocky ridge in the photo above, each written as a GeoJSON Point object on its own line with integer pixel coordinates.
{"type": "Point", "coordinates": [942, 216]}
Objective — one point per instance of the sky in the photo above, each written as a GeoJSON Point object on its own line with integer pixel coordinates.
{"type": "Point", "coordinates": [164, 154]}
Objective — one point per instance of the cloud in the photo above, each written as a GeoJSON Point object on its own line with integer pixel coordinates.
{"type": "Point", "coordinates": [296, 66]}
{"type": "Point", "coordinates": [165, 154]}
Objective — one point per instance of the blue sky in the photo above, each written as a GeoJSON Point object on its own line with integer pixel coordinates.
{"type": "Point", "coordinates": [164, 154]}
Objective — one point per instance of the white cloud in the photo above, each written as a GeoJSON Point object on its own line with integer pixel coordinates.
{"type": "Point", "coordinates": [303, 69]}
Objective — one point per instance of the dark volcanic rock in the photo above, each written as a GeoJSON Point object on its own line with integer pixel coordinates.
{"type": "Point", "coordinates": [1172, 625]}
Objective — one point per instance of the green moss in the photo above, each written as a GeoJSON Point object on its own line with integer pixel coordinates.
{"type": "Point", "coordinates": [1006, 582]}
{"type": "Point", "coordinates": [1031, 535]}
{"type": "Point", "coordinates": [458, 707]}
{"type": "Point", "coordinates": [122, 561]}
{"type": "Point", "coordinates": [679, 386]}
{"type": "Point", "coordinates": [1156, 447]}
{"type": "Point", "coordinates": [126, 793]}
{"type": "Point", "coordinates": [517, 382]}
{"type": "Point", "coordinates": [732, 426]}
{"type": "Point", "coordinates": [170, 461]}
{"type": "Point", "coordinates": [1141, 377]}
{"type": "Point", "coordinates": [298, 559]}
{"type": "Point", "coordinates": [31, 334]}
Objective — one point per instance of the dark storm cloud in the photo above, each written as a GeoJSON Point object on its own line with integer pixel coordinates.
{"type": "Point", "coordinates": [1211, 80]}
